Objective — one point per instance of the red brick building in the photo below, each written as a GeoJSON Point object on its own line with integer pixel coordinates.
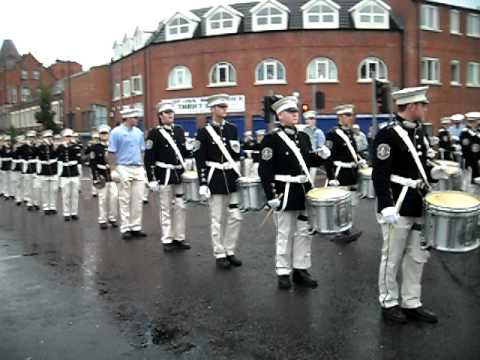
{"type": "Point", "coordinates": [254, 49]}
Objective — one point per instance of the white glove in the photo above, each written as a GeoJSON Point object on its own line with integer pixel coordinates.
{"type": "Point", "coordinates": [324, 152]}
{"type": "Point", "coordinates": [390, 215]}
{"type": "Point", "coordinates": [439, 173]}
{"type": "Point", "coordinates": [333, 183]}
{"type": "Point", "coordinates": [115, 176]}
{"type": "Point", "coordinates": [431, 153]}
{"type": "Point", "coordinates": [435, 140]}
{"type": "Point", "coordinates": [457, 147]}
{"type": "Point", "coordinates": [362, 163]}
{"type": "Point", "coordinates": [455, 139]}
{"type": "Point", "coordinates": [154, 186]}
{"type": "Point", "coordinates": [274, 203]}
{"type": "Point", "coordinates": [204, 192]}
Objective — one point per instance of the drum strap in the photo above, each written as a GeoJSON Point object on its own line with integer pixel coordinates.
{"type": "Point", "coordinates": [404, 136]}
{"type": "Point", "coordinates": [297, 153]}
{"type": "Point", "coordinates": [174, 146]}
{"type": "Point", "coordinates": [222, 148]}
{"type": "Point", "coordinates": [348, 143]}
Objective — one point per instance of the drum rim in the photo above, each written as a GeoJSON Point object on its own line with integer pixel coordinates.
{"type": "Point", "coordinates": [451, 210]}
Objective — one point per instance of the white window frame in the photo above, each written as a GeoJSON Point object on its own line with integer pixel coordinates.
{"type": "Point", "coordinates": [25, 94]}
{"type": "Point", "coordinates": [222, 9]}
{"type": "Point", "coordinates": [424, 24]}
{"type": "Point", "coordinates": [454, 81]}
{"type": "Point", "coordinates": [328, 63]}
{"type": "Point", "coordinates": [471, 19]}
{"type": "Point", "coordinates": [455, 22]}
{"type": "Point", "coordinates": [307, 12]}
{"type": "Point", "coordinates": [191, 24]}
{"type": "Point", "coordinates": [126, 88]}
{"type": "Point", "coordinates": [272, 4]}
{"type": "Point", "coordinates": [426, 68]}
{"type": "Point", "coordinates": [263, 66]}
{"type": "Point", "coordinates": [117, 91]}
{"type": "Point", "coordinates": [134, 90]}
{"type": "Point", "coordinates": [12, 95]}
{"type": "Point", "coordinates": [36, 74]}
{"type": "Point", "coordinates": [24, 75]}
{"type": "Point", "coordinates": [187, 74]}
{"type": "Point", "coordinates": [217, 68]}
{"type": "Point", "coordinates": [476, 74]}
{"type": "Point", "coordinates": [358, 15]}
{"type": "Point", "coordinates": [372, 61]}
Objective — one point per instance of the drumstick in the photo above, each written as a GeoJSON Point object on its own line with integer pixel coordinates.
{"type": "Point", "coordinates": [269, 213]}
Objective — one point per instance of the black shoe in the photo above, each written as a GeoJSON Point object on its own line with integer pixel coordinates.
{"type": "Point", "coordinates": [103, 226]}
{"type": "Point", "coordinates": [234, 260]}
{"type": "Point", "coordinates": [74, 217]}
{"type": "Point", "coordinates": [182, 245]}
{"type": "Point", "coordinates": [30, 208]}
{"type": "Point", "coordinates": [127, 235]}
{"type": "Point", "coordinates": [223, 263]}
{"type": "Point", "coordinates": [421, 314]}
{"type": "Point", "coordinates": [303, 278]}
{"type": "Point", "coordinates": [169, 247]}
{"type": "Point", "coordinates": [46, 212]}
{"type": "Point", "coordinates": [36, 207]}
{"type": "Point", "coordinates": [394, 314]}
{"type": "Point", "coordinates": [94, 195]}
{"type": "Point", "coordinates": [113, 224]}
{"type": "Point", "coordinates": [139, 233]}
{"type": "Point", "coordinates": [284, 282]}
{"type": "Point", "coordinates": [66, 218]}
{"type": "Point", "coordinates": [19, 203]}
{"type": "Point", "coordinates": [53, 212]}
{"type": "Point", "coordinates": [145, 201]}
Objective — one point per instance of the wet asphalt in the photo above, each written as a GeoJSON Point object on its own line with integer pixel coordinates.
{"type": "Point", "coordinates": [73, 291]}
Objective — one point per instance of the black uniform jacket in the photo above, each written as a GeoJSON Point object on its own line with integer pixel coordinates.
{"type": "Point", "coordinates": [206, 150]}
{"type": "Point", "coordinates": [445, 143]}
{"type": "Point", "coordinates": [6, 153]}
{"type": "Point", "coordinates": [391, 156]}
{"type": "Point", "coordinates": [340, 152]}
{"type": "Point", "coordinates": [47, 155]}
{"type": "Point", "coordinates": [29, 154]}
{"type": "Point", "coordinates": [98, 161]}
{"type": "Point", "coordinates": [158, 149]}
{"type": "Point", "coordinates": [470, 141]}
{"type": "Point", "coordinates": [276, 158]}
{"type": "Point", "coordinates": [69, 154]}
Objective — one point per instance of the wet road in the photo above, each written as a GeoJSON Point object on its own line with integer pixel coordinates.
{"type": "Point", "coordinates": [73, 291]}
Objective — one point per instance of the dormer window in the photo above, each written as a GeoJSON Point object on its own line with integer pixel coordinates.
{"type": "Point", "coordinates": [371, 14]}
{"type": "Point", "coordinates": [222, 19]}
{"type": "Point", "coordinates": [127, 46]}
{"type": "Point", "coordinates": [138, 39]}
{"type": "Point", "coordinates": [117, 51]}
{"type": "Point", "coordinates": [269, 15]}
{"type": "Point", "coordinates": [181, 26]}
{"type": "Point", "coordinates": [320, 14]}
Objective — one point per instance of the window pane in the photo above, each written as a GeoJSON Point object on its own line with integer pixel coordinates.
{"type": "Point", "coordinates": [321, 70]}
{"type": "Point", "coordinates": [280, 72]}
{"type": "Point", "coordinates": [262, 21]}
{"type": "Point", "coordinates": [216, 16]}
{"type": "Point", "coordinates": [378, 19]}
{"type": "Point", "coordinates": [263, 12]}
{"type": "Point", "coordinates": [184, 29]}
{"type": "Point", "coordinates": [328, 18]}
{"type": "Point", "coordinates": [270, 70]}
{"type": "Point", "coordinates": [313, 18]}
{"type": "Point", "coordinates": [315, 9]}
{"type": "Point", "coordinates": [173, 30]}
{"type": "Point", "coordinates": [327, 9]}
{"type": "Point", "coordinates": [365, 18]}
{"type": "Point", "coordinates": [228, 24]}
{"type": "Point", "coordinates": [260, 73]}
{"type": "Point", "coordinates": [275, 11]}
{"type": "Point", "coordinates": [215, 25]}
{"type": "Point", "coordinates": [276, 19]}
{"type": "Point", "coordinates": [226, 15]}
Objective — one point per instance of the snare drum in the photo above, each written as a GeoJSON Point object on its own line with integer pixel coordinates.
{"type": "Point", "coordinates": [455, 177]}
{"type": "Point", "coordinates": [330, 209]}
{"type": "Point", "coordinates": [252, 196]}
{"type": "Point", "coordinates": [365, 186]}
{"type": "Point", "coordinates": [451, 219]}
{"type": "Point", "coordinates": [191, 186]}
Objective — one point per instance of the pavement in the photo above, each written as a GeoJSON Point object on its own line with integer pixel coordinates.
{"type": "Point", "coordinates": [73, 291]}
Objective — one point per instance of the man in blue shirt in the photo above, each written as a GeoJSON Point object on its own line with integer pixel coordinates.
{"type": "Point", "coordinates": [126, 147]}
{"type": "Point", "coordinates": [317, 137]}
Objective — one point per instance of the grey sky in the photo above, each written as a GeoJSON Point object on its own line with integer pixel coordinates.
{"type": "Point", "coordinates": [85, 32]}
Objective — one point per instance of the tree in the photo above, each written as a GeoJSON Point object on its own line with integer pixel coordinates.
{"type": "Point", "coordinates": [45, 116]}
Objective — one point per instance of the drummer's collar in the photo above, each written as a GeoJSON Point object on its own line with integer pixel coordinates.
{"type": "Point", "coordinates": [290, 130]}
{"type": "Point", "coordinates": [407, 123]}
{"type": "Point", "coordinates": [344, 127]}
{"type": "Point", "coordinates": [215, 123]}
{"type": "Point", "coordinates": [168, 127]}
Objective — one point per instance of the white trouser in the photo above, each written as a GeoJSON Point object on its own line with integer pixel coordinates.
{"type": "Point", "coordinates": [146, 192]}
{"type": "Point", "coordinates": [2, 182]}
{"type": "Point", "coordinates": [28, 188]}
{"type": "Point", "coordinates": [172, 213]}
{"type": "Point", "coordinates": [49, 192]}
{"type": "Point", "coordinates": [70, 187]}
{"type": "Point", "coordinates": [313, 174]}
{"type": "Point", "coordinates": [17, 180]}
{"type": "Point", "coordinates": [130, 194]}
{"type": "Point", "coordinates": [401, 250]}
{"type": "Point", "coordinates": [94, 190]}
{"type": "Point", "coordinates": [36, 190]}
{"type": "Point", "coordinates": [225, 220]}
{"type": "Point", "coordinates": [108, 203]}
{"type": "Point", "coordinates": [293, 242]}
{"type": "Point", "coordinates": [8, 184]}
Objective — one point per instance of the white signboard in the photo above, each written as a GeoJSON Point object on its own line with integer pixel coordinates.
{"type": "Point", "coordinates": [198, 105]}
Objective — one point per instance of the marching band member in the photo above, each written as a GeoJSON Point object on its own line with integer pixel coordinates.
{"type": "Point", "coordinates": [401, 176]}
{"type": "Point", "coordinates": [17, 169]}
{"type": "Point", "coordinates": [29, 156]}
{"type": "Point", "coordinates": [470, 142]}
{"type": "Point", "coordinates": [6, 166]}
{"type": "Point", "coordinates": [286, 155]}
{"type": "Point", "coordinates": [126, 146]}
{"type": "Point", "coordinates": [217, 153]}
{"type": "Point", "coordinates": [445, 144]}
{"type": "Point", "coordinates": [48, 174]}
{"type": "Point", "coordinates": [36, 182]}
{"type": "Point", "coordinates": [93, 141]}
{"type": "Point", "coordinates": [342, 167]}
{"type": "Point", "coordinates": [165, 163]}
{"type": "Point", "coordinates": [69, 165]}
{"type": "Point", "coordinates": [102, 180]}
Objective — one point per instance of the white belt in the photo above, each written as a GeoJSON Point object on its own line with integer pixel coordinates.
{"type": "Point", "coordinates": [33, 161]}
{"type": "Point", "coordinates": [70, 163]}
{"type": "Point", "coordinates": [217, 166]}
{"type": "Point", "coordinates": [7, 159]}
{"type": "Point", "coordinates": [15, 161]}
{"type": "Point", "coordinates": [102, 167]}
{"type": "Point", "coordinates": [345, 165]}
{"type": "Point", "coordinates": [168, 168]}
{"type": "Point", "coordinates": [288, 179]}
{"type": "Point", "coordinates": [49, 162]}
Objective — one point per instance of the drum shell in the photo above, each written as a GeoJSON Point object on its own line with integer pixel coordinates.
{"type": "Point", "coordinates": [365, 185]}
{"type": "Point", "coordinates": [330, 216]}
{"type": "Point", "coordinates": [454, 182]}
{"type": "Point", "coordinates": [191, 187]}
{"type": "Point", "coordinates": [450, 230]}
{"type": "Point", "coordinates": [252, 196]}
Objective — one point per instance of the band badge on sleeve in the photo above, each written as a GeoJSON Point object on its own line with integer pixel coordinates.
{"type": "Point", "coordinates": [475, 148]}
{"type": "Point", "coordinates": [383, 151]}
{"type": "Point", "coordinates": [267, 154]}
{"type": "Point", "coordinates": [235, 145]}
{"type": "Point", "coordinates": [149, 145]}
{"type": "Point", "coordinates": [466, 141]}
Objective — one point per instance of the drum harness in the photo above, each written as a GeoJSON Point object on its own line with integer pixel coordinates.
{"type": "Point", "coordinates": [170, 167]}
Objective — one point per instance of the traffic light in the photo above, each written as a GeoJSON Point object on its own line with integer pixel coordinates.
{"type": "Point", "coordinates": [305, 108]}
{"type": "Point", "coordinates": [382, 96]}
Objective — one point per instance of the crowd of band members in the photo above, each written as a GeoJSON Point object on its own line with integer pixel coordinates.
{"type": "Point", "coordinates": [124, 167]}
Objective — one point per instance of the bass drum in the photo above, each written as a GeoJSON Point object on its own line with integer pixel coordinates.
{"type": "Point", "coordinates": [191, 186]}
{"type": "Point", "coordinates": [451, 221]}
{"type": "Point", "coordinates": [329, 209]}
{"type": "Point", "coordinates": [252, 196]}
